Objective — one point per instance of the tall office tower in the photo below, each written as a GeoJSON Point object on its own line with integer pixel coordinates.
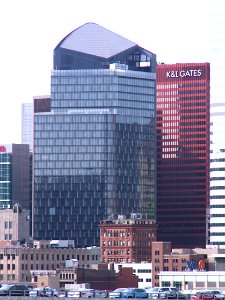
{"type": "Point", "coordinates": [216, 34]}
{"type": "Point", "coordinates": [94, 151]}
{"type": "Point", "coordinates": [183, 153]}
{"type": "Point", "coordinates": [15, 176]}
{"type": "Point", "coordinates": [27, 125]}
{"type": "Point", "coordinates": [217, 174]}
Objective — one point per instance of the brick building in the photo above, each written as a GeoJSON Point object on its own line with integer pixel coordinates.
{"type": "Point", "coordinates": [101, 277]}
{"type": "Point", "coordinates": [164, 258]}
{"type": "Point", "coordinates": [127, 240]}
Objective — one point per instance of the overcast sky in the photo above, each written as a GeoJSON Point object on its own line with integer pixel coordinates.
{"type": "Point", "coordinates": [175, 30]}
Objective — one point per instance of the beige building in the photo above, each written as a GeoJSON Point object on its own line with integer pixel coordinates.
{"type": "Point", "coordinates": [19, 264]}
{"type": "Point", "coordinates": [14, 224]}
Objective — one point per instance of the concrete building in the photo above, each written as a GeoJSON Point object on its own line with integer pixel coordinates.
{"type": "Point", "coordinates": [194, 280]}
{"type": "Point", "coordinates": [183, 93]}
{"type": "Point", "coordinates": [94, 148]}
{"type": "Point", "coordinates": [15, 224]}
{"type": "Point", "coordinates": [216, 35]}
{"type": "Point", "coordinates": [19, 263]}
{"type": "Point", "coordinates": [217, 175]}
{"type": "Point", "coordinates": [125, 240]}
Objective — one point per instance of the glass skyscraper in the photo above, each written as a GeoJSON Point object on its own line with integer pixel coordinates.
{"type": "Point", "coordinates": [27, 125]}
{"type": "Point", "coordinates": [94, 149]}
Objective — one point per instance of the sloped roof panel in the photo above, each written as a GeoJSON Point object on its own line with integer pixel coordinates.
{"type": "Point", "coordinates": [96, 40]}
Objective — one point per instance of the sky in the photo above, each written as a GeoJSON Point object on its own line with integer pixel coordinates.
{"type": "Point", "coordinates": [175, 30]}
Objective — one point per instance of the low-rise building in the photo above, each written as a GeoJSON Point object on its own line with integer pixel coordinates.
{"type": "Point", "coordinates": [19, 262]}
{"type": "Point", "coordinates": [166, 260]}
{"type": "Point", "coordinates": [143, 270]}
{"type": "Point", "coordinates": [196, 280]}
{"type": "Point", "coordinates": [100, 277]}
{"type": "Point", "coordinates": [125, 240]}
{"type": "Point", "coordinates": [14, 223]}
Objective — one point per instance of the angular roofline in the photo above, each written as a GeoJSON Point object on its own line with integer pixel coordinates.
{"type": "Point", "coordinates": [58, 45]}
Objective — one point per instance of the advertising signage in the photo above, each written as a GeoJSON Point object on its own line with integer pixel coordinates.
{"type": "Point", "coordinates": [2, 148]}
{"type": "Point", "coordinates": [181, 72]}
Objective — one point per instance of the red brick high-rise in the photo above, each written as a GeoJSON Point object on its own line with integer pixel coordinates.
{"type": "Point", "coordinates": [183, 93]}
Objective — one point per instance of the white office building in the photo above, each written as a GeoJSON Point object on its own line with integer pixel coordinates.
{"type": "Point", "coordinates": [142, 270]}
{"type": "Point", "coordinates": [217, 147]}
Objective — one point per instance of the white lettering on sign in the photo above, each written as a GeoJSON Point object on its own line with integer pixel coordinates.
{"type": "Point", "coordinates": [184, 73]}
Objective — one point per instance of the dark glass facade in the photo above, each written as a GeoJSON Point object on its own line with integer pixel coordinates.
{"type": "Point", "coordinates": [183, 153]}
{"type": "Point", "coordinates": [15, 176]}
{"type": "Point", "coordinates": [95, 150]}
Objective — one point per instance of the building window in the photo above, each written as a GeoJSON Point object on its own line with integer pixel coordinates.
{"type": "Point", "coordinates": [148, 280]}
{"type": "Point", "coordinates": [165, 268]}
{"type": "Point", "coordinates": [157, 268]}
{"type": "Point", "coordinates": [82, 257]}
{"type": "Point", "coordinates": [10, 224]}
{"type": "Point", "coordinates": [157, 252]}
{"type": "Point", "coordinates": [1, 256]}
{"type": "Point", "coordinates": [1, 266]}
{"type": "Point", "coordinates": [175, 260]}
{"type": "Point", "coordinates": [6, 225]}
{"type": "Point", "coordinates": [13, 256]}
{"type": "Point", "coordinates": [157, 260]}
{"type": "Point", "coordinates": [13, 266]}
{"type": "Point", "coordinates": [8, 266]}
{"type": "Point", "coordinates": [165, 260]}
{"type": "Point", "coordinates": [31, 256]}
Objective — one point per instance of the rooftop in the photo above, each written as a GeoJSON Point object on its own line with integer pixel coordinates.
{"type": "Point", "coordinates": [96, 40]}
